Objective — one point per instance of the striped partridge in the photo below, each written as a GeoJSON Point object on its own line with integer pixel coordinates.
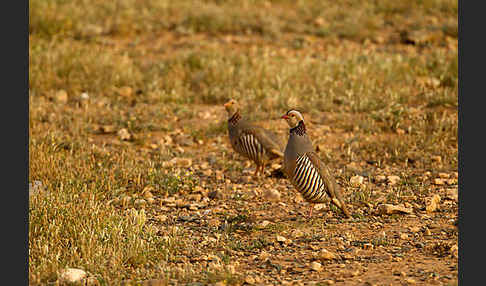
{"type": "Point", "coordinates": [253, 142]}
{"type": "Point", "coordinates": [302, 166]}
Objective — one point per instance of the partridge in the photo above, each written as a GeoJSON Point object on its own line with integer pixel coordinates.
{"type": "Point", "coordinates": [302, 166]}
{"type": "Point", "coordinates": [251, 141]}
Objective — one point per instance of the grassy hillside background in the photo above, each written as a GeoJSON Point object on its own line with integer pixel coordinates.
{"type": "Point", "coordinates": [118, 89]}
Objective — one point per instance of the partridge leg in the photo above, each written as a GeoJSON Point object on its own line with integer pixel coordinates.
{"type": "Point", "coordinates": [257, 169]}
{"type": "Point", "coordinates": [263, 169]}
{"type": "Point", "coordinates": [310, 210]}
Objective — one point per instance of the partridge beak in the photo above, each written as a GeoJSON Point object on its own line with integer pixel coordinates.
{"type": "Point", "coordinates": [285, 116]}
{"type": "Point", "coordinates": [226, 104]}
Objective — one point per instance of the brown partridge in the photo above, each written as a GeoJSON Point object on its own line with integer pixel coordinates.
{"type": "Point", "coordinates": [302, 166]}
{"type": "Point", "coordinates": [253, 142]}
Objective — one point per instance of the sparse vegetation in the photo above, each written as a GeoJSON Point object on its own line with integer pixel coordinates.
{"type": "Point", "coordinates": [376, 80]}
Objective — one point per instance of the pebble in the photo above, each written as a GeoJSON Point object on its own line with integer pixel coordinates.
{"type": "Point", "coordinates": [194, 197]}
{"type": "Point", "coordinates": [356, 181]}
{"type": "Point", "coordinates": [438, 181]}
{"type": "Point", "coordinates": [71, 275]}
{"type": "Point", "coordinates": [455, 251]}
{"type": "Point", "coordinates": [263, 224]}
{"type": "Point", "coordinates": [410, 281]}
{"type": "Point", "coordinates": [393, 179]}
{"type": "Point", "coordinates": [324, 254]}
{"type": "Point", "coordinates": [35, 188]}
{"type": "Point", "coordinates": [414, 229]}
{"type": "Point", "coordinates": [452, 194]}
{"type": "Point", "coordinates": [297, 233]}
{"type": "Point", "coordinates": [125, 91]}
{"type": "Point", "coordinates": [380, 178]}
{"type": "Point", "coordinates": [316, 266]}
{"type": "Point", "coordinates": [444, 175]}
{"type": "Point", "coordinates": [263, 255]}
{"type": "Point", "coordinates": [281, 238]}
{"type": "Point", "coordinates": [84, 96]}
{"type": "Point", "coordinates": [250, 280]}
{"type": "Point", "coordinates": [61, 96]}
{"type": "Point", "coordinates": [272, 195]}
{"type": "Point", "coordinates": [433, 203]}
{"type": "Point", "coordinates": [391, 209]}
{"type": "Point", "coordinates": [437, 159]}
{"type": "Point", "coordinates": [124, 135]}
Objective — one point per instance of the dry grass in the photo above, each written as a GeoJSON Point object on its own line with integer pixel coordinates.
{"type": "Point", "coordinates": [344, 64]}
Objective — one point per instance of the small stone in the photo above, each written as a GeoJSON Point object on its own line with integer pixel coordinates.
{"type": "Point", "coordinates": [438, 181]}
{"type": "Point", "coordinates": [380, 178]}
{"type": "Point", "coordinates": [125, 91]}
{"type": "Point", "coordinates": [194, 197]}
{"type": "Point", "coordinates": [400, 131]}
{"type": "Point", "coordinates": [148, 194]}
{"type": "Point", "coordinates": [108, 129]}
{"type": "Point", "coordinates": [207, 172]}
{"type": "Point", "coordinates": [124, 135]}
{"type": "Point", "coordinates": [263, 224]}
{"type": "Point", "coordinates": [219, 175]}
{"type": "Point", "coordinates": [437, 159]}
{"type": "Point", "coordinates": [414, 229]}
{"type": "Point", "coordinates": [452, 195]}
{"type": "Point", "coordinates": [410, 281]}
{"type": "Point", "coordinates": [427, 231]}
{"type": "Point", "coordinates": [61, 96]}
{"type": "Point", "coordinates": [393, 179]}
{"type": "Point", "coordinates": [324, 254]}
{"type": "Point", "coordinates": [391, 209]}
{"type": "Point", "coordinates": [181, 162]}
{"type": "Point", "coordinates": [193, 207]}
{"type": "Point", "coordinates": [444, 175]}
{"type": "Point", "coordinates": [35, 188]}
{"type": "Point", "coordinates": [403, 236]}
{"type": "Point", "coordinates": [433, 203]}
{"type": "Point", "coordinates": [319, 207]}
{"type": "Point", "coordinates": [328, 282]}
{"type": "Point", "coordinates": [319, 21]}
{"type": "Point", "coordinates": [263, 255]}
{"type": "Point", "coordinates": [161, 218]}
{"type": "Point", "coordinates": [297, 233]}
{"type": "Point", "coordinates": [455, 251]}
{"type": "Point", "coordinates": [316, 266]}
{"type": "Point", "coordinates": [84, 96]}
{"type": "Point", "coordinates": [71, 275]}
{"type": "Point", "coordinates": [272, 195]}
{"type": "Point", "coordinates": [281, 238]}
{"type": "Point", "coordinates": [356, 181]}
{"type": "Point", "coordinates": [250, 280]}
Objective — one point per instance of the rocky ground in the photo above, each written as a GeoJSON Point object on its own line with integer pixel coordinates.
{"type": "Point", "coordinates": [258, 229]}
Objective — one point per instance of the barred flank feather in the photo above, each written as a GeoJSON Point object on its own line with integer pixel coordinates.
{"type": "Point", "coordinates": [250, 146]}
{"type": "Point", "coordinates": [308, 181]}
